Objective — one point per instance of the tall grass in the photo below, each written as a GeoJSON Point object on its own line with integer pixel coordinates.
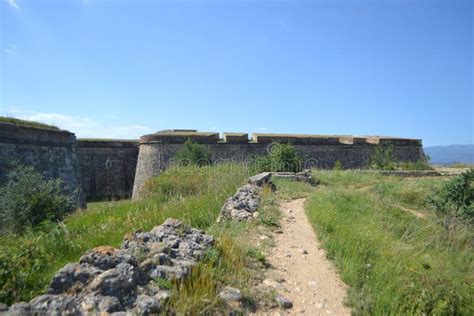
{"type": "Point", "coordinates": [193, 195]}
{"type": "Point", "coordinates": [290, 189]}
{"type": "Point", "coordinates": [236, 260]}
{"type": "Point", "coordinates": [394, 262]}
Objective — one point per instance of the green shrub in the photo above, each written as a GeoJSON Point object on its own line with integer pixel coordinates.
{"type": "Point", "coordinates": [382, 158]}
{"type": "Point", "coordinates": [282, 157]}
{"type": "Point", "coordinates": [454, 203]}
{"type": "Point", "coordinates": [193, 154]}
{"type": "Point", "coordinates": [27, 199]}
{"type": "Point", "coordinates": [338, 165]}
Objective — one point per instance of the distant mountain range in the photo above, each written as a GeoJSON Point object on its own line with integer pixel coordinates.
{"type": "Point", "coordinates": [450, 154]}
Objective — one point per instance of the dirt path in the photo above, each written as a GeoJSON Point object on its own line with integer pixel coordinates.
{"type": "Point", "coordinates": [301, 272]}
{"type": "Point", "coordinates": [409, 210]}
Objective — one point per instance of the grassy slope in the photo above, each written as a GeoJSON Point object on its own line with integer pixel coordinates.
{"type": "Point", "coordinates": [24, 123]}
{"type": "Point", "coordinates": [394, 262]}
{"type": "Point", "coordinates": [28, 262]}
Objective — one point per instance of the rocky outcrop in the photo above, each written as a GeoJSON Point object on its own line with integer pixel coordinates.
{"type": "Point", "coordinates": [244, 204]}
{"type": "Point", "coordinates": [111, 280]}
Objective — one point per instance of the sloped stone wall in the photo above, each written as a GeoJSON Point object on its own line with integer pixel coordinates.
{"type": "Point", "coordinates": [51, 152]}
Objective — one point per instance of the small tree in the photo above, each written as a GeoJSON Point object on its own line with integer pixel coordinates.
{"type": "Point", "coordinates": [454, 203]}
{"type": "Point", "coordinates": [193, 154]}
{"type": "Point", "coordinates": [27, 199]}
{"type": "Point", "coordinates": [338, 165]}
{"type": "Point", "coordinates": [382, 158]}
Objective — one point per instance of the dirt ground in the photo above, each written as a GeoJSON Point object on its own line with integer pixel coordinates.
{"type": "Point", "coordinates": [300, 270]}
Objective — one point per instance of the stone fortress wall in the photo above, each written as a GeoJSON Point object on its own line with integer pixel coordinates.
{"type": "Point", "coordinates": [96, 169]}
{"type": "Point", "coordinates": [110, 169]}
{"type": "Point", "coordinates": [107, 167]}
{"type": "Point", "coordinates": [51, 152]}
{"type": "Point", "coordinates": [156, 151]}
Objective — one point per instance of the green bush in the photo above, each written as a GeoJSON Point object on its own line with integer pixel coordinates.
{"type": "Point", "coordinates": [282, 157]}
{"type": "Point", "coordinates": [382, 158]}
{"type": "Point", "coordinates": [338, 165]}
{"type": "Point", "coordinates": [454, 203]}
{"type": "Point", "coordinates": [26, 200]}
{"type": "Point", "coordinates": [193, 154]}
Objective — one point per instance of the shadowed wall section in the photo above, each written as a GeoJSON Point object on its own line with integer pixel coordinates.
{"type": "Point", "coordinates": [156, 151]}
{"type": "Point", "coordinates": [107, 167]}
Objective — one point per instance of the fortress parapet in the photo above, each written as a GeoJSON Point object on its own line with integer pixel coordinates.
{"type": "Point", "coordinates": [241, 138]}
{"type": "Point", "coordinates": [114, 168]}
{"type": "Point", "coordinates": [180, 136]}
{"type": "Point", "coordinates": [156, 151]}
{"type": "Point", "coordinates": [334, 140]}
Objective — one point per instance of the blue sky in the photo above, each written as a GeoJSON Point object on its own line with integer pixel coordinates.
{"type": "Point", "coordinates": [127, 68]}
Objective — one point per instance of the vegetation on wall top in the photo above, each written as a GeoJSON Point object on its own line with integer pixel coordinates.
{"type": "Point", "coordinates": [24, 123]}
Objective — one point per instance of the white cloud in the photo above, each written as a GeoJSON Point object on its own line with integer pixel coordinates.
{"type": "Point", "coordinates": [83, 127]}
{"type": "Point", "coordinates": [10, 50]}
{"type": "Point", "coordinates": [260, 129]}
{"type": "Point", "coordinates": [13, 4]}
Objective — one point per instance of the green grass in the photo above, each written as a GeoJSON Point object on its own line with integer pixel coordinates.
{"type": "Point", "coordinates": [290, 189]}
{"type": "Point", "coordinates": [25, 123]}
{"type": "Point", "coordinates": [28, 261]}
{"type": "Point", "coordinates": [394, 262]}
{"type": "Point", "coordinates": [237, 260]}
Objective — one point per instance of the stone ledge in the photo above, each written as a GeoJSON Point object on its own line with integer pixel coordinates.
{"type": "Point", "coordinates": [180, 137]}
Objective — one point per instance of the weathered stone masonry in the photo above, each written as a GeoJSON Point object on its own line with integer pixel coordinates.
{"type": "Point", "coordinates": [51, 152]}
{"type": "Point", "coordinates": [156, 151]}
{"type": "Point", "coordinates": [97, 169]}
{"type": "Point", "coordinates": [107, 167]}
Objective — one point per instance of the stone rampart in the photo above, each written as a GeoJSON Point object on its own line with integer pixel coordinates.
{"type": "Point", "coordinates": [156, 151]}
{"type": "Point", "coordinates": [51, 152]}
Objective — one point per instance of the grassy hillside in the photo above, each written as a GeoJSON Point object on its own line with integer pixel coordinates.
{"type": "Point", "coordinates": [28, 261]}
{"type": "Point", "coordinates": [389, 247]}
